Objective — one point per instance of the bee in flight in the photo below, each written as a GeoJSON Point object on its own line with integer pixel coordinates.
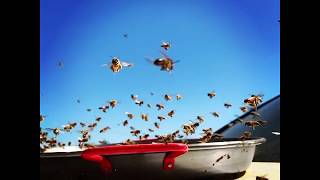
{"type": "Point", "coordinates": [178, 97]}
{"type": "Point", "coordinates": [130, 115]}
{"type": "Point", "coordinates": [159, 106]}
{"type": "Point", "coordinates": [166, 45]}
{"type": "Point", "coordinates": [161, 118]}
{"type": "Point", "coordinates": [215, 114]}
{"type": "Point", "coordinates": [166, 63]}
{"type": "Point", "coordinates": [171, 113]}
{"type": "Point", "coordinates": [227, 105]}
{"type": "Point", "coordinates": [211, 94]}
{"type": "Point", "coordinates": [254, 101]}
{"type": "Point", "coordinates": [117, 65]}
{"type": "Point", "coordinates": [104, 129]}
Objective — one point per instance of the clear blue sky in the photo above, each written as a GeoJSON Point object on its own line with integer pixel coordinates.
{"type": "Point", "coordinates": [232, 47]}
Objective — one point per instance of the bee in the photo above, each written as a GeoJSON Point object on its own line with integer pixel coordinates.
{"type": "Point", "coordinates": [207, 130]}
{"type": "Point", "coordinates": [180, 136]}
{"type": "Point", "coordinates": [190, 128]}
{"type": "Point", "coordinates": [219, 159]}
{"type": "Point", "coordinates": [60, 64]}
{"type": "Point", "coordinates": [42, 118]}
{"type": "Point", "coordinates": [104, 108]}
{"type": "Point", "coordinates": [217, 136]}
{"type": "Point", "coordinates": [151, 93]}
{"type": "Point", "coordinates": [134, 97]}
{"type": "Point", "coordinates": [125, 35]}
{"type": "Point", "coordinates": [227, 105]}
{"type": "Point", "coordinates": [88, 109]}
{"type": "Point", "coordinates": [156, 125]}
{"type": "Point", "coordinates": [125, 123]}
{"type": "Point", "coordinates": [138, 102]}
{"type": "Point", "coordinates": [129, 141]}
{"type": "Point", "coordinates": [93, 125]}
{"type": "Point", "coordinates": [68, 127]}
{"type": "Point", "coordinates": [254, 123]}
{"type": "Point", "coordinates": [51, 142]}
{"type": "Point", "coordinates": [171, 113]}
{"type": "Point", "coordinates": [166, 63]}
{"type": "Point", "coordinates": [117, 65]}
{"type": "Point", "coordinates": [149, 105]}
{"type": "Point", "coordinates": [113, 103]}
{"type": "Point", "coordinates": [130, 116]}
{"type": "Point", "coordinates": [215, 114]}
{"type": "Point", "coordinates": [159, 106]}
{"type": "Point", "coordinates": [150, 130]}
{"type": "Point", "coordinates": [175, 133]}
{"type": "Point", "coordinates": [254, 101]}
{"type": "Point", "coordinates": [78, 101]}
{"type": "Point", "coordinates": [200, 119]}
{"type": "Point", "coordinates": [135, 132]}
{"type": "Point", "coordinates": [56, 131]}
{"type": "Point", "coordinates": [144, 137]}
{"type": "Point", "coordinates": [144, 117]}
{"type": "Point", "coordinates": [167, 97]}
{"type": "Point", "coordinates": [165, 45]}
{"type": "Point", "coordinates": [255, 114]}
{"type": "Point", "coordinates": [132, 128]}
{"type": "Point", "coordinates": [87, 145]}
{"type": "Point", "coordinates": [178, 97]}
{"type": "Point", "coordinates": [161, 118]}
{"type": "Point", "coordinates": [243, 109]}
{"type": "Point", "coordinates": [62, 145]}
{"type": "Point", "coordinates": [211, 94]}
{"type": "Point", "coordinates": [169, 138]}
{"type": "Point", "coordinates": [82, 124]}
{"type": "Point", "coordinates": [43, 136]}
{"type": "Point", "coordinates": [105, 129]}
{"type": "Point", "coordinates": [69, 143]}
{"type": "Point", "coordinates": [98, 119]}
{"type": "Point", "coordinates": [245, 135]}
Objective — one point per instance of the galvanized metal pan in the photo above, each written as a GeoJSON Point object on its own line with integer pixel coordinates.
{"type": "Point", "coordinates": [227, 159]}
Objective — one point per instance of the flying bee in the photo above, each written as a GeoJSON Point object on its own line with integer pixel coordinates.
{"type": "Point", "coordinates": [243, 109]}
{"type": "Point", "coordinates": [135, 132]}
{"type": "Point", "coordinates": [144, 117]}
{"type": "Point", "coordinates": [215, 114]}
{"type": "Point", "coordinates": [56, 131]}
{"type": "Point", "coordinates": [180, 136]}
{"type": "Point", "coordinates": [200, 119]}
{"type": "Point", "coordinates": [88, 109]}
{"type": "Point", "coordinates": [51, 142]}
{"type": "Point", "coordinates": [69, 143]}
{"type": "Point", "coordinates": [104, 108]}
{"type": "Point", "coordinates": [150, 130]}
{"type": "Point", "coordinates": [159, 106]}
{"type": "Point", "coordinates": [151, 93]}
{"type": "Point", "coordinates": [132, 128]}
{"type": "Point", "coordinates": [82, 124]}
{"type": "Point", "coordinates": [117, 65]}
{"type": "Point", "coordinates": [165, 45]}
{"type": "Point", "coordinates": [62, 145]}
{"type": "Point", "coordinates": [105, 129]}
{"type": "Point", "coordinates": [113, 103]}
{"type": "Point", "coordinates": [227, 105]}
{"type": "Point", "coordinates": [138, 102]}
{"type": "Point", "coordinates": [254, 101]}
{"type": "Point", "coordinates": [42, 118]}
{"type": "Point", "coordinates": [157, 125]}
{"type": "Point", "coordinates": [125, 123]}
{"type": "Point", "coordinates": [78, 101]}
{"type": "Point", "coordinates": [245, 135]}
{"type": "Point", "coordinates": [93, 125]}
{"type": "Point", "coordinates": [167, 97]}
{"type": "Point", "coordinates": [211, 94]}
{"type": "Point", "coordinates": [149, 105]}
{"type": "Point", "coordinates": [129, 141]}
{"type": "Point", "coordinates": [161, 118]}
{"type": "Point", "coordinates": [68, 127]}
{"type": "Point", "coordinates": [255, 114]}
{"type": "Point", "coordinates": [60, 64]}
{"type": "Point", "coordinates": [98, 119]}
{"type": "Point", "coordinates": [217, 136]}
{"type": "Point", "coordinates": [166, 63]}
{"type": "Point", "coordinates": [144, 137]}
{"type": "Point", "coordinates": [125, 35]}
{"type": "Point", "coordinates": [43, 136]}
{"type": "Point", "coordinates": [254, 123]}
{"type": "Point", "coordinates": [207, 130]}
{"type": "Point", "coordinates": [130, 116]}
{"type": "Point", "coordinates": [175, 133]}
{"type": "Point", "coordinates": [171, 113]}
{"type": "Point", "coordinates": [134, 97]}
{"type": "Point", "coordinates": [178, 97]}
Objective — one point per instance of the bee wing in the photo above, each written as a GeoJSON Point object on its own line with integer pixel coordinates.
{"type": "Point", "coordinates": [125, 64]}
{"type": "Point", "coordinates": [176, 61]}
{"type": "Point", "coordinates": [105, 65]}
{"type": "Point", "coordinates": [164, 54]}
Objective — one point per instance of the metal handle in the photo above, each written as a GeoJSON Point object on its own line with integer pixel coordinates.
{"type": "Point", "coordinates": [98, 154]}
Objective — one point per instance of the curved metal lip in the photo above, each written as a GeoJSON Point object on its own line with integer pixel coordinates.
{"type": "Point", "coordinates": [227, 144]}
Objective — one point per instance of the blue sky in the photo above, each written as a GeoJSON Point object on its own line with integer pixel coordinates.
{"type": "Point", "coordinates": [232, 47]}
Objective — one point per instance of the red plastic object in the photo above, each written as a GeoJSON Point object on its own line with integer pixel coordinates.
{"type": "Point", "coordinates": [98, 154]}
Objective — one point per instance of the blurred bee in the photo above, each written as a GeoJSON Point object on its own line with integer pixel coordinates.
{"type": "Point", "coordinates": [178, 97]}
{"type": "Point", "coordinates": [125, 35]}
{"type": "Point", "coordinates": [87, 145]}
{"type": "Point", "coordinates": [262, 177]}
{"type": "Point", "coordinates": [190, 128]}
{"type": "Point", "coordinates": [149, 105]}
{"type": "Point", "coordinates": [254, 101]}
{"type": "Point", "coordinates": [165, 45]}
{"type": "Point", "coordinates": [138, 102]}
{"type": "Point", "coordinates": [245, 135]}
{"type": "Point", "coordinates": [125, 123]}
{"type": "Point", "coordinates": [68, 127]}
{"type": "Point", "coordinates": [92, 126]}
{"type": "Point", "coordinates": [62, 145]}
{"type": "Point", "coordinates": [43, 137]}
{"type": "Point", "coordinates": [130, 116]}
{"type": "Point", "coordinates": [243, 109]}
{"type": "Point", "coordinates": [42, 118]}
{"type": "Point", "coordinates": [88, 110]}
{"type": "Point", "coordinates": [78, 101]}
{"type": "Point", "coordinates": [254, 123]}
{"type": "Point", "coordinates": [159, 106]}
{"type": "Point", "coordinates": [104, 108]}
{"type": "Point", "coordinates": [135, 132]}
{"type": "Point", "coordinates": [56, 131]}
{"type": "Point", "coordinates": [150, 130]}
{"type": "Point", "coordinates": [161, 118]}
{"type": "Point", "coordinates": [157, 125]}
{"type": "Point", "coordinates": [134, 97]}
{"type": "Point", "coordinates": [207, 130]}
{"type": "Point", "coordinates": [132, 128]}
{"type": "Point", "coordinates": [69, 143]}
{"type": "Point", "coordinates": [82, 124]}
{"type": "Point", "coordinates": [200, 119]}
{"type": "Point", "coordinates": [180, 136]}
{"type": "Point", "coordinates": [171, 113]}
{"type": "Point", "coordinates": [113, 103]}
{"type": "Point", "coordinates": [51, 142]}
{"type": "Point", "coordinates": [105, 129]}
{"type": "Point", "coordinates": [60, 64]}
{"type": "Point", "coordinates": [151, 93]}
{"type": "Point", "coordinates": [255, 114]}
{"type": "Point", "coordinates": [217, 137]}
{"type": "Point", "coordinates": [176, 133]}
{"type": "Point", "coordinates": [167, 97]}
{"type": "Point", "coordinates": [169, 138]}
{"type": "Point", "coordinates": [117, 65]}
{"type": "Point", "coordinates": [227, 105]}
{"type": "Point", "coordinates": [166, 63]}
{"type": "Point", "coordinates": [211, 94]}
{"type": "Point", "coordinates": [215, 114]}
{"type": "Point", "coordinates": [98, 119]}
{"type": "Point", "coordinates": [129, 141]}
{"type": "Point", "coordinates": [144, 117]}
{"type": "Point", "coordinates": [144, 137]}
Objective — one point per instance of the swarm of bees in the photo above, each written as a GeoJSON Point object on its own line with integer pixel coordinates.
{"type": "Point", "coordinates": [116, 65]}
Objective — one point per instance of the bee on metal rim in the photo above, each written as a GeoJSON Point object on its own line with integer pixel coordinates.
{"type": "Point", "coordinates": [178, 97]}
{"type": "Point", "coordinates": [113, 103]}
{"type": "Point", "coordinates": [116, 65]}
{"type": "Point", "coordinates": [88, 145]}
{"type": "Point", "coordinates": [42, 118]}
{"type": "Point", "coordinates": [211, 94]}
{"type": "Point", "coordinates": [165, 45]}
{"type": "Point", "coordinates": [125, 123]}
{"type": "Point", "coordinates": [104, 108]}
{"type": "Point", "coordinates": [254, 101]}
{"type": "Point", "coordinates": [62, 145]}
{"type": "Point", "coordinates": [161, 118]}
{"type": "Point", "coordinates": [227, 105]}
{"type": "Point", "coordinates": [157, 125]}
{"type": "Point", "coordinates": [134, 97]}
{"type": "Point", "coordinates": [167, 97]}
{"type": "Point", "coordinates": [217, 137]}
{"type": "Point", "coordinates": [243, 109]}
{"type": "Point", "coordinates": [105, 129]}
{"type": "Point", "coordinates": [130, 115]}
{"type": "Point", "coordinates": [171, 113]}
{"type": "Point", "coordinates": [150, 130]}
{"type": "Point", "coordinates": [139, 102]}
{"type": "Point", "coordinates": [166, 63]}
{"type": "Point", "coordinates": [144, 117]}
{"type": "Point", "coordinates": [135, 132]}
{"type": "Point", "coordinates": [159, 106]}
{"type": "Point", "coordinates": [215, 114]}
{"type": "Point", "coordinates": [144, 137]}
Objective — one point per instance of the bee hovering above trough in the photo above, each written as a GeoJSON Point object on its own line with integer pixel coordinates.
{"type": "Point", "coordinates": [254, 101]}
{"type": "Point", "coordinates": [166, 63]}
{"type": "Point", "coordinates": [117, 65]}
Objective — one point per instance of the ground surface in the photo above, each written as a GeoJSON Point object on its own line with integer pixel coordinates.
{"type": "Point", "coordinates": [270, 170]}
